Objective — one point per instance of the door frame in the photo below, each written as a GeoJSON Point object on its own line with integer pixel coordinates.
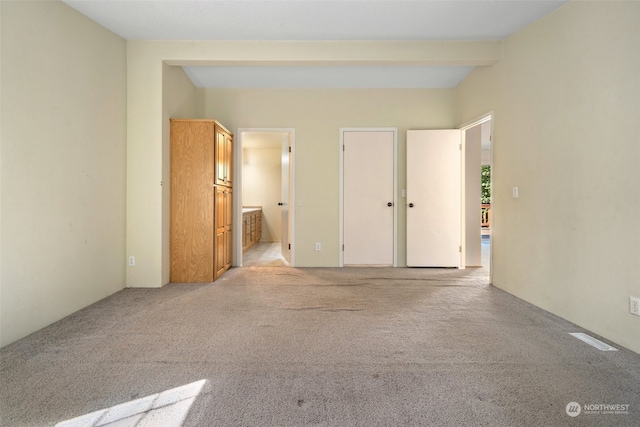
{"type": "Point", "coordinates": [395, 188]}
{"type": "Point", "coordinates": [237, 190]}
{"type": "Point", "coordinates": [476, 122]}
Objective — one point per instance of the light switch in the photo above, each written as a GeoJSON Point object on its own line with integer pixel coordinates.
{"type": "Point", "coordinates": [515, 192]}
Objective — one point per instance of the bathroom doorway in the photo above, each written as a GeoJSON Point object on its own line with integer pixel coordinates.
{"type": "Point", "coordinates": [265, 202]}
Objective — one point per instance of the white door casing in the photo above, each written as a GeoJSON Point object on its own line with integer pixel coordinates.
{"type": "Point", "coordinates": [285, 198]}
{"type": "Point", "coordinates": [237, 199]}
{"type": "Point", "coordinates": [433, 198]}
{"type": "Point", "coordinates": [486, 123]}
{"type": "Point", "coordinates": [369, 197]}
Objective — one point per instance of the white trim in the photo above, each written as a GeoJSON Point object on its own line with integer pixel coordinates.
{"type": "Point", "coordinates": [237, 199]}
{"type": "Point", "coordinates": [478, 120]}
{"type": "Point", "coordinates": [475, 122]}
{"type": "Point", "coordinates": [493, 216]}
{"type": "Point", "coordinates": [463, 198]}
{"type": "Point", "coordinates": [395, 190]}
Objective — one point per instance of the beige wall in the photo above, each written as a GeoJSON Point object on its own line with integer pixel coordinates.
{"type": "Point", "coordinates": [567, 129]}
{"type": "Point", "coordinates": [63, 164]}
{"type": "Point", "coordinates": [317, 116]}
{"type": "Point", "coordinates": [261, 186]}
{"type": "Point", "coordinates": [178, 101]}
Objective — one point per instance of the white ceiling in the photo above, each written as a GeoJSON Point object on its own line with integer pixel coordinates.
{"type": "Point", "coordinates": [314, 19]}
{"type": "Point", "coordinates": [317, 20]}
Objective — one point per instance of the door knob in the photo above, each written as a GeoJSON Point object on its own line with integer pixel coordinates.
{"type": "Point", "coordinates": [280, 204]}
{"type": "Point", "coordinates": [389, 204]}
{"type": "Point", "coordinates": [410, 205]}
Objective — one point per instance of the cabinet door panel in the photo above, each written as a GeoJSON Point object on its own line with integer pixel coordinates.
{"type": "Point", "coordinates": [220, 230]}
{"type": "Point", "coordinates": [220, 253]}
{"type": "Point", "coordinates": [220, 209]}
{"type": "Point", "coordinates": [224, 157]}
{"type": "Point", "coordinates": [228, 204]}
{"type": "Point", "coordinates": [221, 156]}
{"type": "Point", "coordinates": [229, 160]}
{"type": "Point", "coordinates": [228, 227]}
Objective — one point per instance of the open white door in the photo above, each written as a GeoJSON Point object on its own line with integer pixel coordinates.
{"type": "Point", "coordinates": [433, 198]}
{"type": "Point", "coordinates": [472, 196]}
{"type": "Point", "coordinates": [368, 198]}
{"type": "Point", "coordinates": [285, 199]}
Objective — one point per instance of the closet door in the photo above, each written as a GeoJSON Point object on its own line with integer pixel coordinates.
{"type": "Point", "coordinates": [433, 198]}
{"type": "Point", "coordinates": [368, 198]}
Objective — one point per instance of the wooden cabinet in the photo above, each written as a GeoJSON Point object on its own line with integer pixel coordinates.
{"type": "Point", "coordinates": [251, 227]}
{"type": "Point", "coordinates": [201, 209]}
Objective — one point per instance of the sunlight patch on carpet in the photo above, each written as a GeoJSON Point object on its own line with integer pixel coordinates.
{"type": "Point", "coordinates": [168, 409]}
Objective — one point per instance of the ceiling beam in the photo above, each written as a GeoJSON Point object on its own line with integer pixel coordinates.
{"type": "Point", "coordinates": [332, 53]}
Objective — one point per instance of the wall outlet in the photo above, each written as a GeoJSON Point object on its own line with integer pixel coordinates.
{"type": "Point", "coordinates": [634, 306]}
{"type": "Point", "coordinates": [132, 261]}
{"type": "Point", "coordinates": [318, 246]}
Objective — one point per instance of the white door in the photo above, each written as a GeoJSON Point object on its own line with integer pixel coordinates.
{"type": "Point", "coordinates": [368, 197]}
{"type": "Point", "coordinates": [472, 152]}
{"type": "Point", "coordinates": [285, 177]}
{"type": "Point", "coordinates": [433, 198]}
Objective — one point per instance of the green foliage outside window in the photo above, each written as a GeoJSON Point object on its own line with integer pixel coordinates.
{"type": "Point", "coordinates": [485, 183]}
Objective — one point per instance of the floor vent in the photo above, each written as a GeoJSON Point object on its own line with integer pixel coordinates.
{"type": "Point", "coordinates": [593, 342]}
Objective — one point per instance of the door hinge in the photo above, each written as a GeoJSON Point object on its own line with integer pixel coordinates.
{"type": "Point", "coordinates": [343, 147]}
{"type": "Point", "coordinates": [460, 147]}
{"type": "Point", "coordinates": [289, 246]}
{"type": "Point", "coordinates": [289, 149]}
{"type": "Point", "coordinates": [460, 249]}
{"type": "Point", "coordinates": [343, 247]}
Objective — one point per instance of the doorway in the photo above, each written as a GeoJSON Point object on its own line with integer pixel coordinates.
{"type": "Point", "coordinates": [477, 149]}
{"type": "Point", "coordinates": [264, 204]}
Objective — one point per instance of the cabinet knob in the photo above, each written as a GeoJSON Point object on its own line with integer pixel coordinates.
{"type": "Point", "coordinates": [410, 205]}
{"type": "Point", "coordinates": [280, 204]}
{"type": "Point", "coordinates": [389, 204]}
